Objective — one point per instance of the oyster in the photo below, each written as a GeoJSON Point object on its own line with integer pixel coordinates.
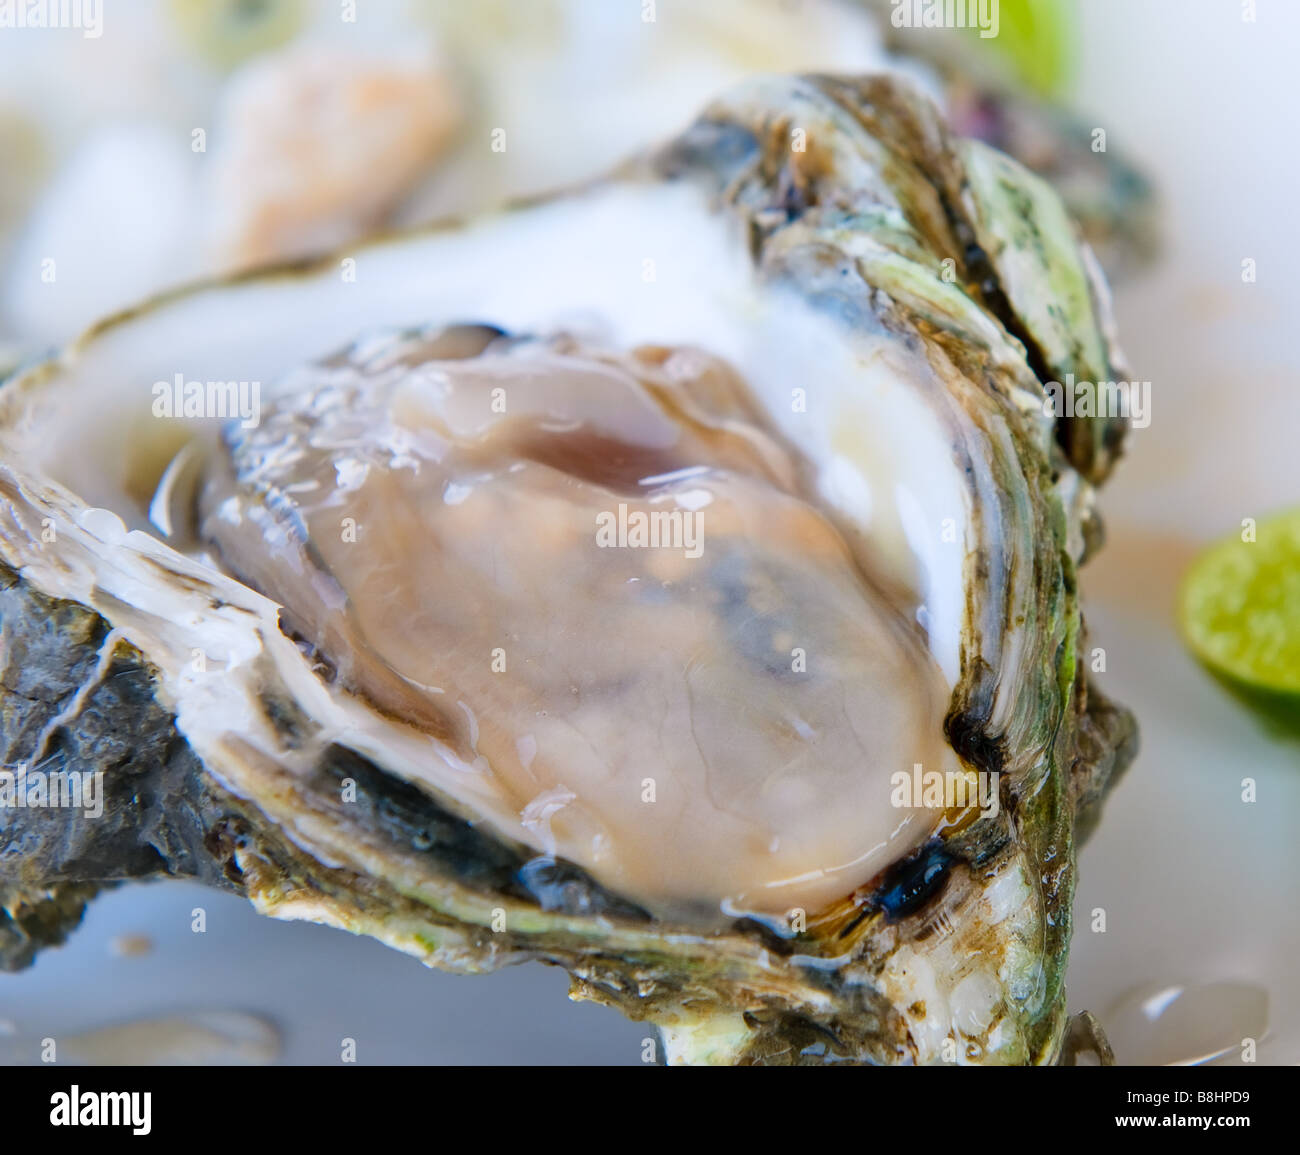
{"type": "Point", "coordinates": [384, 651]}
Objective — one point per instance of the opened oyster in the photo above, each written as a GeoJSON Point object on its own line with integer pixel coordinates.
{"type": "Point", "coordinates": [674, 581]}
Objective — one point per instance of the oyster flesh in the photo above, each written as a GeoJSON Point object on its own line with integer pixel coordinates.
{"type": "Point", "coordinates": [674, 580]}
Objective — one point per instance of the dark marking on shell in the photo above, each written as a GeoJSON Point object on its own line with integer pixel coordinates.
{"type": "Point", "coordinates": [411, 817]}
{"type": "Point", "coordinates": [911, 884]}
{"type": "Point", "coordinates": [559, 885]}
{"type": "Point", "coordinates": [967, 733]}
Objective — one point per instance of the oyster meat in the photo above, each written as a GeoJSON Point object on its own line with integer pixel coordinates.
{"type": "Point", "coordinates": [674, 580]}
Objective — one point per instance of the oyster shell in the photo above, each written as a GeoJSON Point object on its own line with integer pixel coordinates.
{"type": "Point", "coordinates": [1109, 196]}
{"type": "Point", "coordinates": [816, 318]}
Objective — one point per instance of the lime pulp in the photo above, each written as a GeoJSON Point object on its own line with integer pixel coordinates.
{"type": "Point", "coordinates": [1240, 606]}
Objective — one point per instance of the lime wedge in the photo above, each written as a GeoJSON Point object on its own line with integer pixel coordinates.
{"type": "Point", "coordinates": [1035, 36]}
{"type": "Point", "coordinates": [1240, 609]}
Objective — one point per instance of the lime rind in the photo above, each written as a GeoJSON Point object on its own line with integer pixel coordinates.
{"type": "Point", "coordinates": [1240, 608]}
{"type": "Point", "coordinates": [1036, 38]}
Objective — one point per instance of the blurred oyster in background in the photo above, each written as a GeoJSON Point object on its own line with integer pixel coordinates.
{"type": "Point", "coordinates": [316, 146]}
{"type": "Point", "coordinates": [227, 33]}
{"type": "Point", "coordinates": [205, 135]}
{"type": "Point", "coordinates": [166, 164]}
{"type": "Point", "coordinates": [574, 84]}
